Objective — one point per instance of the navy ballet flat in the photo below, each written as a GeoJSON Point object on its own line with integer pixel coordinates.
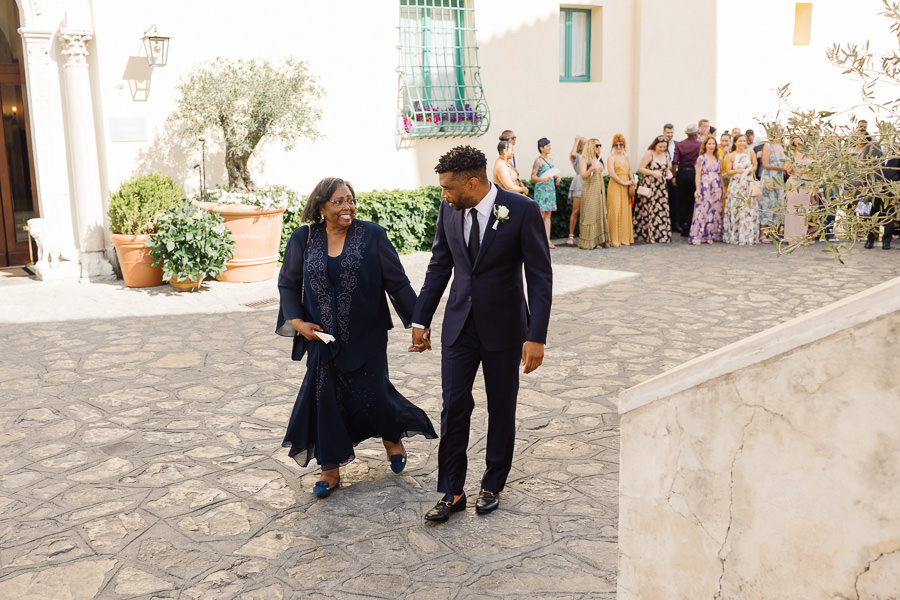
{"type": "Point", "coordinates": [398, 463]}
{"type": "Point", "coordinates": [322, 490]}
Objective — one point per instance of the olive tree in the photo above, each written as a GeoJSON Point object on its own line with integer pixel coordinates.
{"type": "Point", "coordinates": [246, 101]}
{"type": "Point", "coordinates": [823, 147]}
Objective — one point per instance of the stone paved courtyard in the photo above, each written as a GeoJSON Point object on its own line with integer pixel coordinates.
{"type": "Point", "coordinates": [140, 456]}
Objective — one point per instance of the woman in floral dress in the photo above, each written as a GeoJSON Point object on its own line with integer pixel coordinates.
{"type": "Point", "coordinates": [545, 177]}
{"type": "Point", "coordinates": [651, 213]}
{"type": "Point", "coordinates": [706, 226]}
{"type": "Point", "coordinates": [741, 222]}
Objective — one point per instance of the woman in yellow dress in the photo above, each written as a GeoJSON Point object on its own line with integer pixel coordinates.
{"type": "Point", "coordinates": [618, 196]}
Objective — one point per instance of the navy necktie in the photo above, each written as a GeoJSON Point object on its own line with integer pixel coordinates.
{"type": "Point", "coordinates": [474, 234]}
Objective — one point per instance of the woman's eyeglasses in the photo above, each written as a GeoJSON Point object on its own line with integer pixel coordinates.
{"type": "Point", "coordinates": [342, 202]}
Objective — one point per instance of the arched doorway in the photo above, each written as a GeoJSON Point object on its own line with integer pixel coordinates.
{"type": "Point", "coordinates": [17, 198]}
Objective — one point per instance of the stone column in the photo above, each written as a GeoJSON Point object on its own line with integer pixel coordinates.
{"type": "Point", "coordinates": [81, 134]}
{"type": "Point", "coordinates": [42, 94]}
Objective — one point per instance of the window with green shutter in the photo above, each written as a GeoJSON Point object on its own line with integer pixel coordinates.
{"type": "Point", "coordinates": [574, 44]}
{"type": "Point", "coordinates": [440, 83]}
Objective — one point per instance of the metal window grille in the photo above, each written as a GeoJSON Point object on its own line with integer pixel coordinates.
{"type": "Point", "coordinates": [440, 83]}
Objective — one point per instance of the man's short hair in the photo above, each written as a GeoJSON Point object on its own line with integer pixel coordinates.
{"type": "Point", "coordinates": [463, 161]}
{"type": "Point", "coordinates": [702, 121]}
{"type": "Point", "coordinates": [749, 132]}
{"type": "Point", "coordinates": [668, 126]}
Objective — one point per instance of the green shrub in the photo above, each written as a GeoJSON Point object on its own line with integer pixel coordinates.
{"type": "Point", "coordinates": [408, 216]}
{"type": "Point", "coordinates": [139, 202]}
{"type": "Point", "coordinates": [191, 242]}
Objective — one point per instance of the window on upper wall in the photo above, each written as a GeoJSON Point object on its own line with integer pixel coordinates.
{"type": "Point", "coordinates": [802, 23]}
{"type": "Point", "coordinates": [440, 82]}
{"type": "Point", "coordinates": [574, 44]}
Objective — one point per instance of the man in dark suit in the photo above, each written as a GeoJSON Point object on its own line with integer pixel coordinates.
{"type": "Point", "coordinates": [484, 236]}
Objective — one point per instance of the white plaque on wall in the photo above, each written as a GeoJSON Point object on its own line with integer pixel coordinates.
{"type": "Point", "coordinates": [128, 129]}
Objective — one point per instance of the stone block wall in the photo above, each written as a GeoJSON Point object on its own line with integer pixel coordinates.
{"type": "Point", "coordinates": [779, 478]}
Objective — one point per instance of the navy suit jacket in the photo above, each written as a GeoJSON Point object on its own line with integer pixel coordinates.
{"type": "Point", "coordinates": [492, 289]}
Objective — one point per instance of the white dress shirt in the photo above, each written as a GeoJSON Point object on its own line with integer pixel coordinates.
{"type": "Point", "coordinates": [483, 210]}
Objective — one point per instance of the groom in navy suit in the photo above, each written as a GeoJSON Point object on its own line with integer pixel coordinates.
{"type": "Point", "coordinates": [483, 238]}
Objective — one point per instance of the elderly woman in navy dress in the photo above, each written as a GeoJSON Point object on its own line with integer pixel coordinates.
{"type": "Point", "coordinates": [334, 279]}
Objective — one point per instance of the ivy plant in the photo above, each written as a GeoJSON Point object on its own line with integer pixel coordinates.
{"type": "Point", "coordinates": [191, 243]}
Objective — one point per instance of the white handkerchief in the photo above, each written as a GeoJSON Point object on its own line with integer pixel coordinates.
{"type": "Point", "coordinates": [495, 224]}
{"type": "Point", "coordinates": [325, 337]}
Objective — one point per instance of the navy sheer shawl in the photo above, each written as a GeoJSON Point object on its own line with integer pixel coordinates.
{"type": "Point", "coordinates": [355, 310]}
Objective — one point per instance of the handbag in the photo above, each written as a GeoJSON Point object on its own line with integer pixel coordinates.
{"type": "Point", "coordinates": [643, 190]}
{"type": "Point", "coordinates": [756, 187]}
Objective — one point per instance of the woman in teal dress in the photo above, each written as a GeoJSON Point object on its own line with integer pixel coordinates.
{"type": "Point", "coordinates": [545, 177]}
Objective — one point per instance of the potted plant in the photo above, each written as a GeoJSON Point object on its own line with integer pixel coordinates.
{"type": "Point", "coordinates": [134, 211]}
{"type": "Point", "coordinates": [245, 102]}
{"type": "Point", "coordinates": [190, 244]}
{"type": "Point", "coordinates": [255, 220]}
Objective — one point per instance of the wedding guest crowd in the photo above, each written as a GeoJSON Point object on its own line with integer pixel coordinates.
{"type": "Point", "coordinates": [732, 189]}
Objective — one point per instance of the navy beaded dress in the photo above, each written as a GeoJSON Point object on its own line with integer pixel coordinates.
{"type": "Point", "coordinates": [346, 395]}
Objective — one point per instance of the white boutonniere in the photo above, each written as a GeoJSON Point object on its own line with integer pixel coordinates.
{"type": "Point", "coordinates": [501, 213]}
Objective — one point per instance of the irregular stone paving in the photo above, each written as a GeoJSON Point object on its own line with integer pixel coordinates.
{"type": "Point", "coordinates": [140, 457]}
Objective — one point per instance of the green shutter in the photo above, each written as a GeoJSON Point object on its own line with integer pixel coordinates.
{"type": "Point", "coordinates": [440, 81]}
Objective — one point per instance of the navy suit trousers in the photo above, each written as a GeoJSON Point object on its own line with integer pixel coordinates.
{"type": "Point", "coordinates": [459, 364]}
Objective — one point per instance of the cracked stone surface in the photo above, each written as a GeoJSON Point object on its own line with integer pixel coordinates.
{"type": "Point", "coordinates": [775, 480]}
{"type": "Point", "coordinates": [140, 456]}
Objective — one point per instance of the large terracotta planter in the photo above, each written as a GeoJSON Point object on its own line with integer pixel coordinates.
{"type": "Point", "coordinates": [135, 261]}
{"type": "Point", "coordinates": [257, 235]}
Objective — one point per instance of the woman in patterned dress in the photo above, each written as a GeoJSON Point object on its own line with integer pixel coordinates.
{"type": "Point", "coordinates": [336, 274]}
{"type": "Point", "coordinates": [651, 213]}
{"type": "Point", "coordinates": [706, 226]}
{"type": "Point", "coordinates": [593, 227]}
{"type": "Point", "coordinates": [741, 222]}
{"type": "Point", "coordinates": [618, 198]}
{"type": "Point", "coordinates": [772, 178]}
{"type": "Point", "coordinates": [545, 185]}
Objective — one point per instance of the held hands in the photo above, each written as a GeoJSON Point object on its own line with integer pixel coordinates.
{"type": "Point", "coordinates": [305, 329]}
{"type": "Point", "coordinates": [532, 356]}
{"type": "Point", "coordinates": [421, 340]}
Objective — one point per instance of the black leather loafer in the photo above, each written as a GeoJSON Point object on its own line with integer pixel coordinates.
{"type": "Point", "coordinates": [487, 501]}
{"type": "Point", "coordinates": [444, 508]}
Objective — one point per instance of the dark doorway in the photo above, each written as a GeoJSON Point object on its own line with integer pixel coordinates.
{"type": "Point", "coordinates": [17, 199]}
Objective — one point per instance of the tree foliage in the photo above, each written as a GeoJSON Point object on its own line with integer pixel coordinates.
{"type": "Point", "coordinates": [822, 148]}
{"type": "Point", "coordinates": [246, 101]}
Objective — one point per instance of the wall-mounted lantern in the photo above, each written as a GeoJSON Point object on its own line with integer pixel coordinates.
{"type": "Point", "coordinates": [157, 47]}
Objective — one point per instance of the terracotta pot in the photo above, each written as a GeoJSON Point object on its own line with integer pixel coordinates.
{"type": "Point", "coordinates": [135, 261]}
{"type": "Point", "coordinates": [257, 235]}
{"type": "Point", "coordinates": [187, 285]}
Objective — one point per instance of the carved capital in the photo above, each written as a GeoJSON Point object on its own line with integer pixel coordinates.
{"type": "Point", "coordinates": [74, 45]}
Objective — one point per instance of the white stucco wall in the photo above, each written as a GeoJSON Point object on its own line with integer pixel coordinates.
{"type": "Point", "coordinates": [757, 55]}
{"type": "Point", "coordinates": [653, 61]}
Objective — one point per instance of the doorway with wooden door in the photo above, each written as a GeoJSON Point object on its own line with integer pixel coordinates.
{"type": "Point", "coordinates": [17, 197]}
